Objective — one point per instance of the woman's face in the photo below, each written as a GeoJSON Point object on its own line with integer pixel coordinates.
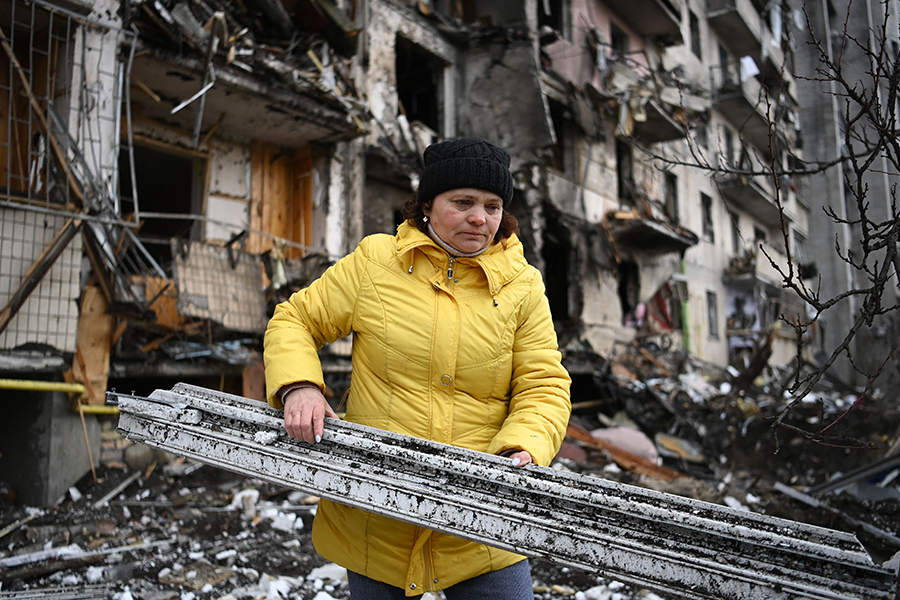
{"type": "Point", "coordinates": [466, 218]}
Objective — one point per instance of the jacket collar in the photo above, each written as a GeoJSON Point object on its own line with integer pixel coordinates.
{"type": "Point", "coordinates": [500, 265]}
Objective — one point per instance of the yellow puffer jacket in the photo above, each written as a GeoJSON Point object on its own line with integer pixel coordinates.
{"type": "Point", "coordinates": [460, 351]}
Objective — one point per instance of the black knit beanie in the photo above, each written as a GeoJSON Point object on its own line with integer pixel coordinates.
{"type": "Point", "coordinates": [466, 163]}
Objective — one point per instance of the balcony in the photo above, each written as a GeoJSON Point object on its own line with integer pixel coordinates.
{"type": "Point", "coordinates": [658, 19]}
{"type": "Point", "coordinates": [754, 268]}
{"type": "Point", "coordinates": [648, 236]}
{"type": "Point", "coordinates": [755, 196]}
{"type": "Point", "coordinates": [744, 104]}
{"type": "Point", "coordinates": [656, 125]}
{"type": "Point", "coordinates": [744, 32]}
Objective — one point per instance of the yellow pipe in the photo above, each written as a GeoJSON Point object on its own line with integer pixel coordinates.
{"type": "Point", "coordinates": [42, 386]}
{"type": "Point", "coordinates": [59, 386]}
{"type": "Point", "coordinates": [99, 409]}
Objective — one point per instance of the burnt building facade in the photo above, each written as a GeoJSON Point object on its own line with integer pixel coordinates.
{"type": "Point", "coordinates": [171, 170]}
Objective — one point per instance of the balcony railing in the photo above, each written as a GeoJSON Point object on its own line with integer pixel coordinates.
{"type": "Point", "coordinates": [754, 195]}
{"type": "Point", "coordinates": [744, 32]}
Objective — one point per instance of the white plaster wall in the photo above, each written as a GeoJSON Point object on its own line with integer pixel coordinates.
{"type": "Point", "coordinates": [336, 209]}
{"type": "Point", "coordinates": [230, 171]}
{"type": "Point", "coordinates": [321, 178]}
{"type": "Point", "coordinates": [602, 315]}
{"type": "Point", "coordinates": [229, 216]}
{"type": "Point", "coordinates": [596, 168]}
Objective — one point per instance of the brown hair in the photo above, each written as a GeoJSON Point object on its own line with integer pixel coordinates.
{"type": "Point", "coordinates": [414, 211]}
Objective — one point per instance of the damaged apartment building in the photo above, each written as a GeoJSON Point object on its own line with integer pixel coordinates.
{"type": "Point", "coordinates": [174, 168]}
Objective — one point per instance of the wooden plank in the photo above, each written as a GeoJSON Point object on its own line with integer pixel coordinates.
{"type": "Point", "coordinates": [254, 381]}
{"type": "Point", "coordinates": [166, 305]}
{"type": "Point", "coordinates": [281, 191]}
{"type": "Point", "coordinates": [95, 332]}
{"type": "Point", "coordinates": [278, 195]}
{"type": "Point", "coordinates": [623, 458]}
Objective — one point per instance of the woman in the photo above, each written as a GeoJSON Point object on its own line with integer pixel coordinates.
{"type": "Point", "coordinates": [452, 341]}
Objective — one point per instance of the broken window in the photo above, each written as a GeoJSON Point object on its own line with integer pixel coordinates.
{"type": "Point", "coordinates": [559, 152]}
{"type": "Point", "coordinates": [619, 40]}
{"type": "Point", "coordinates": [712, 314]}
{"type": "Point", "coordinates": [671, 192]}
{"type": "Point", "coordinates": [419, 84]}
{"type": "Point", "coordinates": [706, 209]}
{"type": "Point", "coordinates": [695, 34]}
{"type": "Point", "coordinates": [624, 171]}
{"type": "Point", "coordinates": [759, 236]}
{"type": "Point", "coordinates": [798, 247]}
{"type": "Point", "coordinates": [555, 14]}
{"type": "Point", "coordinates": [556, 253]}
{"type": "Point", "coordinates": [629, 290]}
{"type": "Point", "coordinates": [168, 181]}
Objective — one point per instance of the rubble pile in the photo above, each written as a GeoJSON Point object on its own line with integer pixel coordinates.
{"type": "Point", "coordinates": [153, 526]}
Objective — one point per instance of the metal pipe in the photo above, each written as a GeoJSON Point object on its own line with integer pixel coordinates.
{"type": "Point", "coordinates": [42, 386]}
{"type": "Point", "coordinates": [78, 389]}
{"type": "Point", "coordinates": [98, 409]}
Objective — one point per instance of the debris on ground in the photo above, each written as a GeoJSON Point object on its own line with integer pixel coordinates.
{"type": "Point", "coordinates": [153, 526]}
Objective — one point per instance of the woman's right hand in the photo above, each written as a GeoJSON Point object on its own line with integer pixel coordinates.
{"type": "Point", "coordinates": [305, 410]}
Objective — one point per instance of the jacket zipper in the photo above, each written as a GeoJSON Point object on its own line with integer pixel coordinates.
{"type": "Point", "coordinates": [429, 569]}
{"type": "Point", "coordinates": [450, 268]}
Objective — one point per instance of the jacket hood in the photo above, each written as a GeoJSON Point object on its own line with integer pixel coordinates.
{"type": "Point", "coordinates": [500, 265]}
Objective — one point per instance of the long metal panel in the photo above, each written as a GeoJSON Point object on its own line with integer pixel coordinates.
{"type": "Point", "coordinates": [678, 546]}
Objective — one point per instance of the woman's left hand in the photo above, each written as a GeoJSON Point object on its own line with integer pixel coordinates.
{"type": "Point", "coordinates": [519, 458]}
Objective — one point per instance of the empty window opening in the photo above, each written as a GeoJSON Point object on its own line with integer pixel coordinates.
{"type": "Point", "coordinates": [557, 152]}
{"type": "Point", "coordinates": [167, 182]}
{"type": "Point", "coordinates": [629, 289]}
{"type": "Point", "coordinates": [799, 246]}
{"type": "Point", "coordinates": [419, 78]}
{"type": "Point", "coordinates": [729, 146]}
{"type": "Point", "coordinates": [555, 15]}
{"type": "Point", "coordinates": [695, 34]}
{"type": "Point", "coordinates": [556, 253]}
{"type": "Point", "coordinates": [712, 315]}
{"type": "Point", "coordinates": [624, 171]}
{"type": "Point", "coordinates": [671, 191]}
{"type": "Point", "coordinates": [618, 40]}
{"type": "Point", "coordinates": [759, 236]}
{"type": "Point", "coordinates": [706, 208]}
